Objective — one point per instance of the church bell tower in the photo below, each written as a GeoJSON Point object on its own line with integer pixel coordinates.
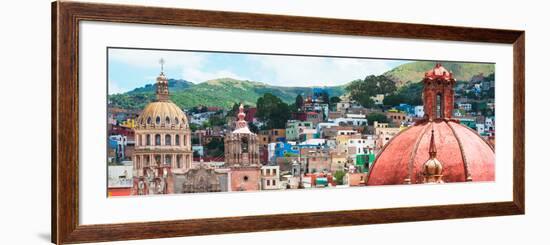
{"type": "Point", "coordinates": [438, 93]}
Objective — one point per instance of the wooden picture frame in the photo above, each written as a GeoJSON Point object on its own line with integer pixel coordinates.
{"type": "Point", "coordinates": [65, 121]}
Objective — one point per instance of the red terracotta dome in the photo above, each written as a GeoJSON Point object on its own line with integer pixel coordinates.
{"type": "Point", "coordinates": [462, 152]}
{"type": "Point", "coordinates": [457, 153]}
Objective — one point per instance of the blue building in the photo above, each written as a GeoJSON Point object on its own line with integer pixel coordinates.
{"type": "Point", "coordinates": [285, 148]}
{"type": "Point", "coordinates": [409, 109]}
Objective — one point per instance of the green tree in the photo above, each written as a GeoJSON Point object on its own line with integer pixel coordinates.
{"type": "Point", "coordinates": [215, 147]}
{"type": "Point", "coordinates": [378, 117]}
{"type": "Point", "coordinates": [339, 177]}
{"type": "Point", "coordinates": [325, 97]}
{"type": "Point", "coordinates": [365, 101]}
{"type": "Point", "coordinates": [273, 111]}
{"type": "Point", "coordinates": [385, 85]}
{"type": "Point", "coordinates": [362, 90]}
{"type": "Point", "coordinates": [216, 121]}
{"type": "Point", "coordinates": [253, 127]}
{"type": "Point", "coordinates": [395, 99]}
{"type": "Point", "coordinates": [334, 100]}
{"type": "Point", "coordinates": [234, 110]}
{"type": "Point", "coordinates": [299, 102]}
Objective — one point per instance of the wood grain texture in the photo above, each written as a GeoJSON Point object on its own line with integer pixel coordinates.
{"type": "Point", "coordinates": [65, 124]}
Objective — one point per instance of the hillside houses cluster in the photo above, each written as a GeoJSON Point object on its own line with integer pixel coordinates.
{"type": "Point", "coordinates": [321, 144]}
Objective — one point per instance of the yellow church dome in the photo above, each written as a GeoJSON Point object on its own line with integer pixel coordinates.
{"type": "Point", "coordinates": [163, 114]}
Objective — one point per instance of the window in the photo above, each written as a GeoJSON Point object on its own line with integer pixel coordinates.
{"type": "Point", "coordinates": [148, 139]}
{"type": "Point", "coordinates": [167, 120]}
{"type": "Point", "coordinates": [176, 121]}
{"type": "Point", "coordinates": [157, 160]}
{"type": "Point", "coordinates": [158, 120]}
{"type": "Point", "coordinates": [177, 139]}
{"type": "Point", "coordinates": [149, 120]}
{"type": "Point", "coordinates": [168, 139]}
{"type": "Point", "coordinates": [157, 139]}
{"type": "Point", "coordinates": [178, 161]}
{"type": "Point", "coordinates": [168, 160]}
{"type": "Point", "coordinates": [267, 182]}
{"type": "Point", "coordinates": [244, 145]}
{"type": "Point", "coordinates": [185, 140]}
{"type": "Point", "coordinates": [439, 106]}
{"type": "Point", "coordinates": [146, 160]}
{"type": "Point", "coordinates": [245, 178]}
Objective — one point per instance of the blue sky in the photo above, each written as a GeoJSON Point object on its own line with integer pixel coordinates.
{"type": "Point", "coordinates": [131, 68]}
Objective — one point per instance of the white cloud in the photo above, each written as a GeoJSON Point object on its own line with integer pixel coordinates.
{"type": "Point", "coordinates": [198, 75]}
{"type": "Point", "coordinates": [115, 89]}
{"type": "Point", "coordinates": [308, 71]}
{"type": "Point", "coordinates": [273, 69]}
{"type": "Point", "coordinates": [192, 64]}
{"type": "Point", "coordinates": [151, 58]}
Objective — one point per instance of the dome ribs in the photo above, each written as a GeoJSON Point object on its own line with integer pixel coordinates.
{"type": "Point", "coordinates": [410, 164]}
{"type": "Point", "coordinates": [468, 175]}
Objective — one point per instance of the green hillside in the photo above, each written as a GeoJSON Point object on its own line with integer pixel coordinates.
{"type": "Point", "coordinates": [174, 85]}
{"type": "Point", "coordinates": [414, 71]}
{"type": "Point", "coordinates": [222, 92]}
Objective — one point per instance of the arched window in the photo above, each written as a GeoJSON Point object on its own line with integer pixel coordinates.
{"type": "Point", "coordinates": [149, 120]}
{"type": "Point", "coordinates": [244, 145]}
{"type": "Point", "coordinates": [157, 160]}
{"type": "Point", "coordinates": [167, 120]}
{"type": "Point", "coordinates": [185, 140]}
{"type": "Point", "coordinates": [177, 139]}
{"type": "Point", "coordinates": [148, 139]}
{"type": "Point", "coordinates": [157, 139]}
{"type": "Point", "coordinates": [158, 120]}
{"type": "Point", "coordinates": [439, 106]}
{"type": "Point", "coordinates": [146, 161]}
{"type": "Point", "coordinates": [178, 161]}
{"type": "Point", "coordinates": [168, 139]}
{"type": "Point", "coordinates": [168, 159]}
{"type": "Point", "coordinates": [176, 121]}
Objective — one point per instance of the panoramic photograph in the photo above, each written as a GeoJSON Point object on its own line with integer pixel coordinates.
{"type": "Point", "coordinates": [182, 122]}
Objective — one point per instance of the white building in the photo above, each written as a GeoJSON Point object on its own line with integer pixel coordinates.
{"type": "Point", "coordinates": [200, 118]}
{"type": "Point", "coordinates": [271, 152]}
{"type": "Point", "coordinates": [323, 125]}
{"type": "Point", "coordinates": [351, 120]}
{"type": "Point", "coordinates": [419, 111]}
{"type": "Point", "coordinates": [384, 133]}
{"type": "Point", "coordinates": [270, 179]}
{"type": "Point", "coordinates": [480, 127]}
{"type": "Point", "coordinates": [465, 106]}
{"type": "Point", "coordinates": [378, 99]}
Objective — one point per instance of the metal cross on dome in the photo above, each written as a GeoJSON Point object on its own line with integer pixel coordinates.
{"type": "Point", "coordinates": [161, 61]}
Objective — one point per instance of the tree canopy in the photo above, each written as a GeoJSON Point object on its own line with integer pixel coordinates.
{"type": "Point", "coordinates": [273, 111]}
{"type": "Point", "coordinates": [362, 90]}
{"type": "Point", "coordinates": [378, 117]}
